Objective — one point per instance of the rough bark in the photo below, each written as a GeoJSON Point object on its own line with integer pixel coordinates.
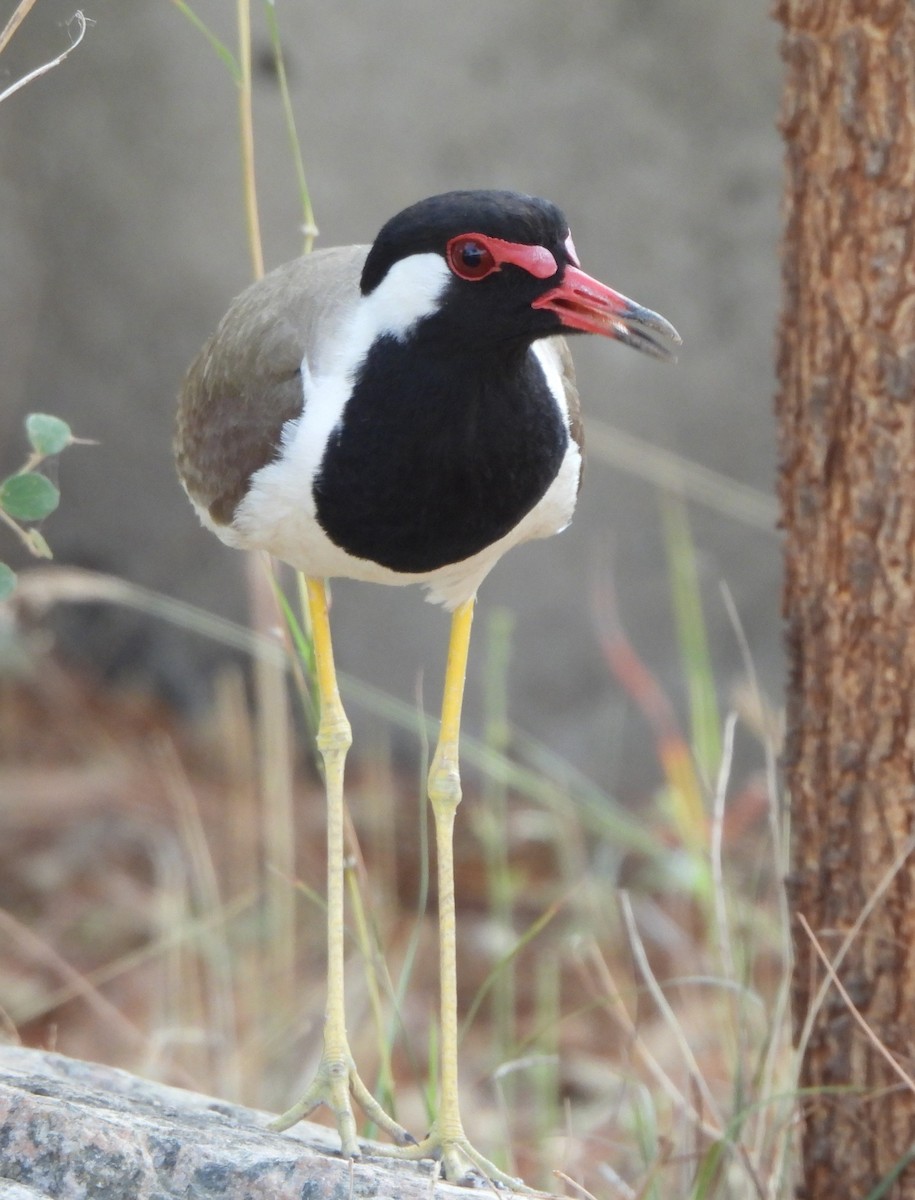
{"type": "Point", "coordinates": [71, 1129]}
{"type": "Point", "coordinates": [846, 413]}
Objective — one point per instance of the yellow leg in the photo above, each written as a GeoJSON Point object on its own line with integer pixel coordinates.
{"type": "Point", "coordinates": [447, 1139]}
{"type": "Point", "coordinates": [336, 1077]}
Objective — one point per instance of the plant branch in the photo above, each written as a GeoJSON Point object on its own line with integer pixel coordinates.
{"type": "Point", "coordinates": [81, 25]}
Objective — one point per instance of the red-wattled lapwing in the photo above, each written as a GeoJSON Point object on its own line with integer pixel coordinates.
{"type": "Point", "coordinates": [402, 413]}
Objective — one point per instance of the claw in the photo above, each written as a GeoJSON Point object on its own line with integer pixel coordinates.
{"type": "Point", "coordinates": [337, 1084]}
{"type": "Point", "coordinates": [461, 1162]}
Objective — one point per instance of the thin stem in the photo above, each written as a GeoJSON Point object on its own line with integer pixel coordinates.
{"type": "Point", "coordinates": [20, 533]}
{"type": "Point", "coordinates": [246, 136]}
{"type": "Point", "coordinates": [20, 13]}
{"type": "Point", "coordinates": [81, 25]}
{"type": "Point", "coordinates": [309, 228]}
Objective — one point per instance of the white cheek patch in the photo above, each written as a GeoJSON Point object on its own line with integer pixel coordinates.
{"type": "Point", "coordinates": [570, 250]}
{"type": "Point", "coordinates": [410, 291]}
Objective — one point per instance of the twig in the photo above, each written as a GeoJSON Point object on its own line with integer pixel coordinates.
{"type": "Point", "coordinates": [81, 26]}
{"type": "Point", "coordinates": [889, 875]}
{"type": "Point", "coordinates": [624, 1189]}
{"type": "Point", "coordinates": [20, 14]}
{"type": "Point", "coordinates": [850, 1004]}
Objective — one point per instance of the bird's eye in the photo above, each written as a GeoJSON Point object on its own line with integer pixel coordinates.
{"type": "Point", "coordinates": [470, 258]}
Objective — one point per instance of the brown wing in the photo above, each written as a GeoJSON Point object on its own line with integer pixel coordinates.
{"type": "Point", "coordinates": [246, 383]}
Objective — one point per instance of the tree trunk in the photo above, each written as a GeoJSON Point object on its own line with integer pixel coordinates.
{"type": "Point", "coordinates": [846, 413]}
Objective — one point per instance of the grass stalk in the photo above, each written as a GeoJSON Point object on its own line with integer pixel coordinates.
{"type": "Point", "coordinates": [696, 1076]}
{"type": "Point", "coordinates": [309, 228]}
{"type": "Point", "coordinates": [692, 637]}
{"type": "Point", "coordinates": [613, 1003]}
{"type": "Point", "coordinates": [18, 15]}
{"type": "Point", "coordinates": [496, 971]}
{"type": "Point", "coordinates": [246, 139]}
{"type": "Point", "coordinates": [369, 944]}
{"type": "Point", "coordinates": [492, 824]}
{"type": "Point", "coordinates": [222, 50]}
{"type": "Point", "coordinates": [219, 1000]}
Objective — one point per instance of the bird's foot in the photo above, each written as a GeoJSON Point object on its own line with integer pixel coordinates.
{"type": "Point", "coordinates": [337, 1084]}
{"type": "Point", "coordinates": [461, 1162]}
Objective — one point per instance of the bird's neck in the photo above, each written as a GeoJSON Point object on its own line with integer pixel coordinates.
{"type": "Point", "coordinates": [432, 380]}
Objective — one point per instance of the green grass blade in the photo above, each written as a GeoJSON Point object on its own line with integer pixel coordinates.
{"type": "Point", "coordinates": [309, 228]}
{"type": "Point", "coordinates": [228, 58]}
{"type": "Point", "coordinates": [532, 931]}
{"type": "Point", "coordinates": [692, 636]}
{"type": "Point", "coordinates": [882, 1190]}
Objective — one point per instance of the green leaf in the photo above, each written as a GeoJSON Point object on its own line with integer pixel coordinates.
{"type": "Point", "coordinates": [7, 580]}
{"type": "Point", "coordinates": [47, 435]}
{"type": "Point", "coordinates": [28, 496]}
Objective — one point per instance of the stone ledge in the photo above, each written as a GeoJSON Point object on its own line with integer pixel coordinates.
{"type": "Point", "coordinates": [71, 1129]}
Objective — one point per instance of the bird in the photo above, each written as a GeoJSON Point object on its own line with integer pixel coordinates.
{"type": "Point", "coordinates": [403, 412]}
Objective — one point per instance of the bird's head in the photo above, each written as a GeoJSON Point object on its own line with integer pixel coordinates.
{"type": "Point", "coordinates": [496, 267]}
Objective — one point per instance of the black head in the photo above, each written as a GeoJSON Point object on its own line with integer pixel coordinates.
{"type": "Point", "coordinates": [494, 278]}
{"type": "Point", "coordinates": [509, 273]}
{"type": "Point", "coordinates": [430, 224]}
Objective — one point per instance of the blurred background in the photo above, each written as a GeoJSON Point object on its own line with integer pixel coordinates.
{"type": "Point", "coordinates": [122, 241]}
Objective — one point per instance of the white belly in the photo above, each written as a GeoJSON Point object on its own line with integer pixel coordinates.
{"type": "Point", "coordinates": [272, 520]}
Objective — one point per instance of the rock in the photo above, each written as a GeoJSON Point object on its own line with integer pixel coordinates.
{"type": "Point", "coordinates": [71, 1129]}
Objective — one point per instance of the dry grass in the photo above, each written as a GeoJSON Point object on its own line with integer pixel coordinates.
{"type": "Point", "coordinates": [154, 917]}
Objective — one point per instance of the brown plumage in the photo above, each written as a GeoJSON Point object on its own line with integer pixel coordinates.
{"type": "Point", "coordinates": [246, 382]}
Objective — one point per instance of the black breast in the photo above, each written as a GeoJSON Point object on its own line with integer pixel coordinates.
{"type": "Point", "coordinates": [433, 461]}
